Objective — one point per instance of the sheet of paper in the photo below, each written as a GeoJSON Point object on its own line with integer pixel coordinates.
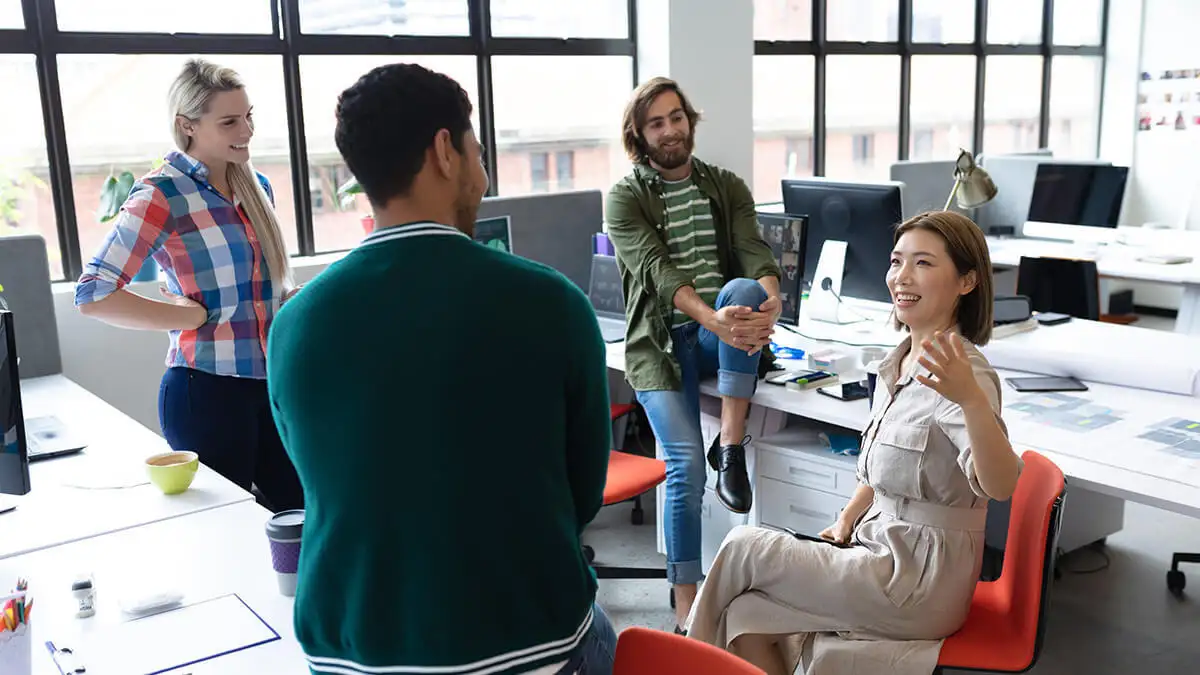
{"type": "Point", "coordinates": [94, 474]}
{"type": "Point", "coordinates": [161, 642]}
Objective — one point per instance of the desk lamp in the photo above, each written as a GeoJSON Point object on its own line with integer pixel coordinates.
{"type": "Point", "coordinates": [973, 187]}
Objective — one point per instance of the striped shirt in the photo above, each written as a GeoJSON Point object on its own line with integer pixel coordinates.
{"type": "Point", "coordinates": [692, 241]}
{"type": "Point", "coordinates": [209, 252]}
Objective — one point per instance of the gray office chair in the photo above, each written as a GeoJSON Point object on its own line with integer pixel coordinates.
{"type": "Point", "coordinates": [1066, 286]}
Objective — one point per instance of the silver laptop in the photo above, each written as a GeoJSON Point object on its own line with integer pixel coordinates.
{"type": "Point", "coordinates": [48, 437]}
{"type": "Point", "coordinates": [608, 298]}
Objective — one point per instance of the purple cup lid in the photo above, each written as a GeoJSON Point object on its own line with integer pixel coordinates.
{"type": "Point", "coordinates": [286, 525]}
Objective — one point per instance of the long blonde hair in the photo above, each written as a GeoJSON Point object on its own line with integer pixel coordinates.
{"type": "Point", "coordinates": [189, 97]}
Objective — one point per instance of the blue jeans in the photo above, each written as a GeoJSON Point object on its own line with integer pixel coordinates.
{"type": "Point", "coordinates": [675, 418]}
{"type": "Point", "coordinates": [594, 656]}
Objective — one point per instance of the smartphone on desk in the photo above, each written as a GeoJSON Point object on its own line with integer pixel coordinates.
{"type": "Point", "coordinates": [1052, 318]}
{"type": "Point", "coordinates": [847, 391]}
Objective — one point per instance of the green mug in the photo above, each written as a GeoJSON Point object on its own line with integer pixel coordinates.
{"type": "Point", "coordinates": [173, 472]}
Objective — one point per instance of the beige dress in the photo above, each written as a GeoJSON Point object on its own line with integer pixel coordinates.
{"type": "Point", "coordinates": [884, 604]}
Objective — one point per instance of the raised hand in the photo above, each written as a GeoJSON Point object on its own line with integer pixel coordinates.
{"type": "Point", "coordinates": [953, 376]}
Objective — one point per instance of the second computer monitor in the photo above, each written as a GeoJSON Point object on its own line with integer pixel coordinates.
{"type": "Point", "coordinates": [494, 233]}
{"type": "Point", "coordinates": [863, 215]}
{"type": "Point", "coordinates": [1068, 199]}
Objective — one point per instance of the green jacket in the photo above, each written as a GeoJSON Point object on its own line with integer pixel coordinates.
{"type": "Point", "coordinates": [637, 219]}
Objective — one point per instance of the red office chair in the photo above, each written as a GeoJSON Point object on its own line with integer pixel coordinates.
{"type": "Point", "coordinates": [1007, 621]}
{"type": "Point", "coordinates": [616, 412]}
{"type": "Point", "coordinates": [628, 477]}
{"type": "Point", "coordinates": [642, 651]}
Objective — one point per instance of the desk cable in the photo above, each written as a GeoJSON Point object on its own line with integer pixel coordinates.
{"type": "Point", "coordinates": [797, 331]}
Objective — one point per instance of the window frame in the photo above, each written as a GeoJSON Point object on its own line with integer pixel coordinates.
{"type": "Point", "coordinates": [819, 47]}
{"type": "Point", "coordinates": [42, 38]}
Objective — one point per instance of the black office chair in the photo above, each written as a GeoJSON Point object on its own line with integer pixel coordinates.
{"type": "Point", "coordinates": [1065, 286]}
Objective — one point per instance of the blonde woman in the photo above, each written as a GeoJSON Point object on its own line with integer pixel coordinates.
{"type": "Point", "coordinates": [206, 217]}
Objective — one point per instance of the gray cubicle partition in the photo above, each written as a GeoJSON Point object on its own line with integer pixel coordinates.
{"type": "Point", "coordinates": [926, 186]}
{"type": "Point", "coordinates": [553, 229]}
{"type": "Point", "coordinates": [1014, 176]}
{"type": "Point", "coordinates": [25, 277]}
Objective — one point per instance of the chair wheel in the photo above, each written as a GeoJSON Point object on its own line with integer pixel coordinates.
{"type": "Point", "coordinates": [589, 554]}
{"type": "Point", "coordinates": [638, 516]}
{"type": "Point", "coordinates": [1176, 582]}
{"type": "Point", "coordinates": [672, 598]}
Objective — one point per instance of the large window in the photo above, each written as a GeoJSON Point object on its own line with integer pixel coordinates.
{"type": "Point", "coordinates": [845, 88]}
{"type": "Point", "coordinates": [540, 117]}
{"type": "Point", "coordinates": [86, 89]}
{"type": "Point", "coordinates": [26, 203]}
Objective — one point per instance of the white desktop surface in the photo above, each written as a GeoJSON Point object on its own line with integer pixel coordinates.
{"type": "Point", "coordinates": [1118, 261]}
{"type": "Point", "coordinates": [1095, 475]}
{"type": "Point", "coordinates": [203, 556]}
{"type": "Point", "coordinates": [54, 513]}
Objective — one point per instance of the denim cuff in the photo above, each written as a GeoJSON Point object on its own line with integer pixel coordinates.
{"type": "Point", "coordinates": [688, 572]}
{"type": "Point", "coordinates": [735, 384]}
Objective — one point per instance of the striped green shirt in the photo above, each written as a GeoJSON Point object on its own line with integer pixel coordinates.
{"type": "Point", "coordinates": [692, 241]}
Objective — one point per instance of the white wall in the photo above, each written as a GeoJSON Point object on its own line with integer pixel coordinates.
{"type": "Point", "coordinates": [1163, 177]}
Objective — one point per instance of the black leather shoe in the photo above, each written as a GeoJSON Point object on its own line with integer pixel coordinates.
{"type": "Point", "coordinates": [733, 484]}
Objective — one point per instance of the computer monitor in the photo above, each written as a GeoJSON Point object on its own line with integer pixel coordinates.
{"type": "Point", "coordinates": [14, 455]}
{"type": "Point", "coordinates": [495, 233]}
{"type": "Point", "coordinates": [1079, 202]}
{"type": "Point", "coordinates": [787, 236]}
{"type": "Point", "coordinates": [849, 239]}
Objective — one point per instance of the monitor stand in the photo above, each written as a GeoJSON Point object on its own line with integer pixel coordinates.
{"type": "Point", "coordinates": [7, 504]}
{"type": "Point", "coordinates": [824, 300]}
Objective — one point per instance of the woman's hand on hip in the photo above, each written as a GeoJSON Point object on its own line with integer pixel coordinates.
{"type": "Point", "coordinates": [195, 314]}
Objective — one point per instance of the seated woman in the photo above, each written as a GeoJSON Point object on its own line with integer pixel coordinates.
{"type": "Point", "coordinates": [903, 559]}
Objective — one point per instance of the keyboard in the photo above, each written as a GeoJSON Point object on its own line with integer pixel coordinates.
{"type": "Point", "coordinates": [1164, 259]}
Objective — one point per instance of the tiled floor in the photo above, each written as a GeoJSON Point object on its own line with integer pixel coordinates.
{"type": "Point", "coordinates": [1119, 620]}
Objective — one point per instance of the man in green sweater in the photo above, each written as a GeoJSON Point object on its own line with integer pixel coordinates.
{"type": "Point", "coordinates": [701, 300]}
{"type": "Point", "coordinates": [446, 407]}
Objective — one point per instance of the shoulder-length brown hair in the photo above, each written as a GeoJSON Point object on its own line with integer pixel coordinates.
{"type": "Point", "coordinates": [968, 250]}
{"type": "Point", "coordinates": [635, 115]}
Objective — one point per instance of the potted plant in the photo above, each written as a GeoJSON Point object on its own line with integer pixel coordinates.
{"type": "Point", "coordinates": [347, 195]}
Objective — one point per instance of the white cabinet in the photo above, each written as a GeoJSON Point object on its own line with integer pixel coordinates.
{"type": "Point", "coordinates": [801, 485]}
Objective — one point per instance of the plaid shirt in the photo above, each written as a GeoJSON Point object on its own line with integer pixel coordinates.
{"type": "Point", "coordinates": [209, 252]}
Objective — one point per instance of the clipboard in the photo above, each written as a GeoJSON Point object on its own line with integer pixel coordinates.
{"type": "Point", "coordinates": [181, 637]}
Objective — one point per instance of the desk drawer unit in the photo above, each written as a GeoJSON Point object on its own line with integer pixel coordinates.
{"type": "Point", "coordinates": [803, 510]}
{"type": "Point", "coordinates": [801, 471]}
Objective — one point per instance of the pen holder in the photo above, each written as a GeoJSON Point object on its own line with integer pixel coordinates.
{"type": "Point", "coordinates": [16, 651]}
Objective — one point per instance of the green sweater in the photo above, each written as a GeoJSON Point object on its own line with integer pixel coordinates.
{"type": "Point", "coordinates": [446, 407]}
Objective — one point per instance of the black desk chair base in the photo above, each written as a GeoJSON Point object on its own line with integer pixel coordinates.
{"type": "Point", "coordinates": [1176, 581]}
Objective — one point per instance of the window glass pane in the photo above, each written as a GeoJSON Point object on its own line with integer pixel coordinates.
{"type": "Point", "coordinates": [783, 20]}
{"type": "Point", "coordinates": [783, 122]}
{"type": "Point", "coordinates": [1078, 22]}
{"type": "Point", "coordinates": [10, 14]}
{"type": "Point", "coordinates": [339, 224]}
{"type": "Point", "coordinates": [385, 17]}
{"type": "Point", "coordinates": [1014, 22]}
{"type": "Point", "coordinates": [862, 21]}
{"type": "Point", "coordinates": [1075, 105]}
{"type": "Point", "coordinates": [560, 18]}
{"type": "Point", "coordinates": [942, 106]}
{"type": "Point", "coordinates": [119, 16]}
{"type": "Point", "coordinates": [583, 117]}
{"type": "Point", "coordinates": [943, 21]}
{"type": "Point", "coordinates": [26, 204]}
{"type": "Point", "coordinates": [107, 133]}
{"type": "Point", "coordinates": [862, 97]}
{"type": "Point", "coordinates": [1012, 101]}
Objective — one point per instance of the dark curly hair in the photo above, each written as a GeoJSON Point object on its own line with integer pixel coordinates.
{"type": "Point", "coordinates": [388, 119]}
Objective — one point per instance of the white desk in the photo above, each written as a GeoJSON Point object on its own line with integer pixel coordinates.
{"type": "Point", "coordinates": [1115, 261]}
{"type": "Point", "coordinates": [203, 555]}
{"type": "Point", "coordinates": [1099, 485]}
{"type": "Point", "coordinates": [54, 513]}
